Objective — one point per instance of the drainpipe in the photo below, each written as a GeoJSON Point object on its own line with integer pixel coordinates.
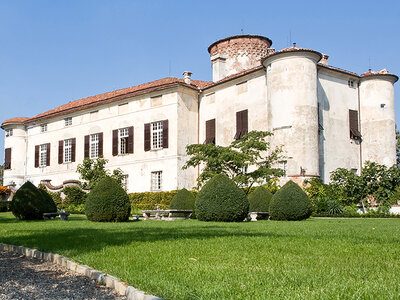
{"type": "Point", "coordinates": [359, 124]}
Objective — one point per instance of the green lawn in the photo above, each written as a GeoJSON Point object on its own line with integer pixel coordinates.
{"type": "Point", "coordinates": [313, 259]}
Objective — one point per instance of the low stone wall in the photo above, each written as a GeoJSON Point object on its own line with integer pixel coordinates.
{"type": "Point", "coordinates": [122, 288]}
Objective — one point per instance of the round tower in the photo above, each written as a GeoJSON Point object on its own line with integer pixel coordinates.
{"type": "Point", "coordinates": [377, 117]}
{"type": "Point", "coordinates": [293, 107]}
{"type": "Point", "coordinates": [238, 53]}
{"type": "Point", "coordinates": [15, 152]}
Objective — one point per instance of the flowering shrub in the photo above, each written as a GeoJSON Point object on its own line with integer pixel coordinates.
{"type": "Point", "coordinates": [4, 190]}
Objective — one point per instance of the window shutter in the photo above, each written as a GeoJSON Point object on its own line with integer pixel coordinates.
{"type": "Point", "coordinates": [37, 156]}
{"type": "Point", "coordinates": [48, 154]}
{"type": "Point", "coordinates": [353, 120]}
{"type": "Point", "coordinates": [210, 132]}
{"type": "Point", "coordinates": [165, 133]}
{"type": "Point", "coordinates": [238, 125]}
{"type": "Point", "coordinates": [60, 152]}
{"type": "Point", "coordinates": [147, 145]}
{"type": "Point", "coordinates": [130, 139]}
{"type": "Point", "coordinates": [245, 121]}
{"type": "Point", "coordinates": [100, 144]}
{"type": "Point", "coordinates": [115, 142]}
{"type": "Point", "coordinates": [7, 159]}
{"type": "Point", "coordinates": [73, 150]}
{"type": "Point", "coordinates": [86, 154]}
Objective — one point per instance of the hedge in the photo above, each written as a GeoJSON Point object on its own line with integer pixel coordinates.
{"type": "Point", "coordinates": [149, 200]}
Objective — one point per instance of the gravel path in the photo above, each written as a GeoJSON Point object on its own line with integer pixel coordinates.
{"type": "Point", "coordinates": [23, 278]}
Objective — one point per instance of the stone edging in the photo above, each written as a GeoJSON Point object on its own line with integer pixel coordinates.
{"type": "Point", "coordinates": [122, 288]}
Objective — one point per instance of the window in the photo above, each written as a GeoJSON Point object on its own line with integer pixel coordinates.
{"type": "Point", "coordinates": [124, 182]}
{"type": "Point", "coordinates": [43, 128]}
{"type": "Point", "coordinates": [241, 87]}
{"type": "Point", "coordinates": [68, 121]}
{"type": "Point", "coordinates": [353, 124]}
{"type": "Point", "coordinates": [156, 180]}
{"type": "Point", "coordinates": [241, 124]}
{"type": "Point", "coordinates": [157, 135]}
{"type": "Point", "coordinates": [210, 132]}
{"type": "Point", "coordinates": [43, 155]}
{"type": "Point", "coordinates": [94, 145]}
{"type": "Point", "coordinates": [283, 165]}
{"type": "Point", "coordinates": [68, 150]}
{"type": "Point", "coordinates": [9, 132]}
{"type": "Point", "coordinates": [7, 159]}
{"type": "Point", "coordinates": [351, 84]}
{"type": "Point", "coordinates": [123, 140]}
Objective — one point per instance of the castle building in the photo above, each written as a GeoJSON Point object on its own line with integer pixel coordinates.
{"type": "Point", "coordinates": [325, 118]}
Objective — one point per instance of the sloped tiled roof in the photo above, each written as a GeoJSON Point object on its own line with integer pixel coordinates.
{"type": "Point", "coordinates": [14, 121]}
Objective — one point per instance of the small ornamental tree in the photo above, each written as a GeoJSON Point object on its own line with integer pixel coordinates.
{"type": "Point", "coordinates": [29, 203]}
{"type": "Point", "coordinates": [50, 206]}
{"type": "Point", "coordinates": [221, 200]}
{"type": "Point", "coordinates": [290, 203]}
{"type": "Point", "coordinates": [107, 202]}
{"type": "Point", "coordinates": [259, 200]}
{"type": "Point", "coordinates": [183, 200]}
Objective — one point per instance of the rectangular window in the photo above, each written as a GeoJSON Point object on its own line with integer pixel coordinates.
{"type": "Point", "coordinates": [156, 180]}
{"type": "Point", "coordinates": [123, 140]}
{"type": "Point", "coordinates": [210, 132]}
{"type": "Point", "coordinates": [7, 159]}
{"type": "Point", "coordinates": [283, 165]}
{"type": "Point", "coordinates": [353, 124]}
{"type": "Point", "coordinates": [241, 87]}
{"type": "Point", "coordinates": [68, 121]}
{"type": "Point", "coordinates": [9, 132]}
{"type": "Point", "coordinates": [124, 182]}
{"type": "Point", "coordinates": [157, 135]}
{"type": "Point", "coordinates": [68, 150]}
{"type": "Point", "coordinates": [94, 145]}
{"type": "Point", "coordinates": [43, 155]}
{"type": "Point", "coordinates": [43, 128]}
{"type": "Point", "coordinates": [351, 84]}
{"type": "Point", "coordinates": [241, 124]}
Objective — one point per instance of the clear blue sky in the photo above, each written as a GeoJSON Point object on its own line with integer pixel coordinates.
{"type": "Point", "coordinates": [52, 52]}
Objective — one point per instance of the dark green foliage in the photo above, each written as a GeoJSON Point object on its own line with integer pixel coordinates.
{"type": "Point", "coordinates": [149, 200]}
{"type": "Point", "coordinates": [183, 200]}
{"type": "Point", "coordinates": [107, 202]}
{"type": "Point", "coordinates": [5, 206]}
{"type": "Point", "coordinates": [290, 203]}
{"type": "Point", "coordinates": [29, 203]}
{"type": "Point", "coordinates": [74, 195]}
{"type": "Point", "coordinates": [334, 208]}
{"type": "Point", "coordinates": [221, 200]}
{"type": "Point", "coordinates": [259, 200]}
{"type": "Point", "coordinates": [50, 206]}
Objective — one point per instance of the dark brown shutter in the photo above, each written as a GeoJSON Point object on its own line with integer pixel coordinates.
{"type": "Point", "coordinates": [130, 139]}
{"type": "Point", "coordinates": [100, 144]}
{"type": "Point", "coordinates": [73, 150]}
{"type": "Point", "coordinates": [165, 133]}
{"type": "Point", "coordinates": [37, 156]}
{"type": "Point", "coordinates": [86, 154]}
{"type": "Point", "coordinates": [60, 152]}
{"type": "Point", "coordinates": [48, 154]}
{"type": "Point", "coordinates": [7, 158]}
{"type": "Point", "coordinates": [115, 142]}
{"type": "Point", "coordinates": [210, 132]}
{"type": "Point", "coordinates": [147, 145]}
{"type": "Point", "coordinates": [353, 120]}
{"type": "Point", "coordinates": [245, 121]}
{"type": "Point", "coordinates": [238, 125]}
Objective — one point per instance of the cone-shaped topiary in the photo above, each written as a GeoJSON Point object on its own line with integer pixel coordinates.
{"type": "Point", "coordinates": [290, 203]}
{"type": "Point", "coordinates": [107, 202]}
{"type": "Point", "coordinates": [29, 203]}
{"type": "Point", "coordinates": [50, 206]}
{"type": "Point", "coordinates": [221, 200]}
{"type": "Point", "coordinates": [183, 200]}
{"type": "Point", "coordinates": [259, 200]}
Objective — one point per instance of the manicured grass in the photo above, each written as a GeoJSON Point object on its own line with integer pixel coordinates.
{"type": "Point", "coordinates": [312, 259]}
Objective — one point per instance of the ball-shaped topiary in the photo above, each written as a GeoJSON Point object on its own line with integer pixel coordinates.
{"type": "Point", "coordinates": [50, 206]}
{"type": "Point", "coordinates": [259, 200]}
{"type": "Point", "coordinates": [29, 203]}
{"type": "Point", "coordinates": [107, 202]}
{"type": "Point", "coordinates": [221, 200]}
{"type": "Point", "coordinates": [290, 203]}
{"type": "Point", "coordinates": [183, 200]}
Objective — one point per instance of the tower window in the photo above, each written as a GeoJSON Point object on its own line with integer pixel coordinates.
{"type": "Point", "coordinates": [9, 132]}
{"type": "Point", "coordinates": [351, 84]}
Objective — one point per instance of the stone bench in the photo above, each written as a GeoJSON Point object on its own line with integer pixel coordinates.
{"type": "Point", "coordinates": [255, 214]}
{"type": "Point", "coordinates": [53, 215]}
{"type": "Point", "coordinates": [166, 214]}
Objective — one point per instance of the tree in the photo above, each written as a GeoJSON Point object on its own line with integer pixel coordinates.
{"type": "Point", "coordinates": [398, 147]}
{"type": "Point", "coordinates": [92, 170]}
{"type": "Point", "coordinates": [246, 161]}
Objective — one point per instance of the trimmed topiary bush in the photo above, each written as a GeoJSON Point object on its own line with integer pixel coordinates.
{"type": "Point", "coordinates": [259, 200]}
{"type": "Point", "coordinates": [107, 202]}
{"type": "Point", "coordinates": [221, 200]}
{"type": "Point", "coordinates": [30, 204]}
{"type": "Point", "coordinates": [50, 206]}
{"type": "Point", "coordinates": [183, 200]}
{"type": "Point", "coordinates": [290, 203]}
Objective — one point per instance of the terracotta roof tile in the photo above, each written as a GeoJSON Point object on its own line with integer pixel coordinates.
{"type": "Point", "coordinates": [338, 69]}
{"type": "Point", "coordinates": [14, 120]}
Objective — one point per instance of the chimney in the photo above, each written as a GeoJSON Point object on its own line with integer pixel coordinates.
{"type": "Point", "coordinates": [324, 60]}
{"type": "Point", "coordinates": [294, 45]}
{"type": "Point", "coordinates": [187, 77]}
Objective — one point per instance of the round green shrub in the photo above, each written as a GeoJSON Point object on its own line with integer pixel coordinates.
{"type": "Point", "coordinates": [221, 200]}
{"type": "Point", "coordinates": [259, 200]}
{"type": "Point", "coordinates": [29, 203]}
{"type": "Point", "coordinates": [290, 203]}
{"type": "Point", "coordinates": [74, 195]}
{"type": "Point", "coordinates": [183, 200]}
{"type": "Point", "coordinates": [107, 202]}
{"type": "Point", "coordinates": [50, 206]}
